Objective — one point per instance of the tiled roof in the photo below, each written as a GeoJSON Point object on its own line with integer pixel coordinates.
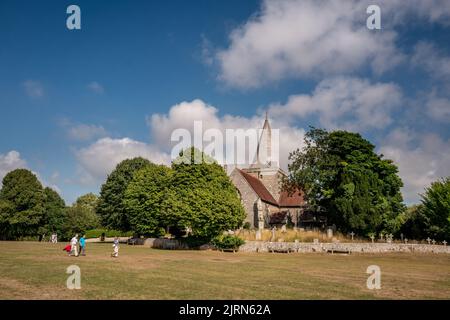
{"type": "Point", "coordinates": [259, 188]}
{"type": "Point", "coordinates": [294, 199]}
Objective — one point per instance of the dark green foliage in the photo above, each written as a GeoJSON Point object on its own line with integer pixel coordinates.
{"type": "Point", "coordinates": [54, 213]}
{"type": "Point", "coordinates": [227, 242]}
{"type": "Point", "coordinates": [110, 206]}
{"type": "Point", "coordinates": [81, 216]}
{"type": "Point", "coordinates": [21, 204]}
{"type": "Point", "coordinates": [202, 198]}
{"type": "Point", "coordinates": [436, 209]}
{"type": "Point", "coordinates": [144, 200]}
{"type": "Point", "coordinates": [414, 223]}
{"type": "Point", "coordinates": [346, 180]}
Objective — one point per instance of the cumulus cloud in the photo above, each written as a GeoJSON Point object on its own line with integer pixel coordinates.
{"type": "Point", "coordinates": [33, 89]}
{"type": "Point", "coordinates": [304, 39]}
{"type": "Point", "coordinates": [183, 115]}
{"type": "Point", "coordinates": [96, 87]}
{"type": "Point", "coordinates": [81, 131]}
{"type": "Point", "coordinates": [421, 158]}
{"type": "Point", "coordinates": [10, 161]}
{"type": "Point", "coordinates": [350, 103]}
{"type": "Point", "coordinates": [100, 158]}
{"type": "Point", "coordinates": [310, 39]}
{"type": "Point", "coordinates": [438, 108]}
{"type": "Point", "coordinates": [432, 60]}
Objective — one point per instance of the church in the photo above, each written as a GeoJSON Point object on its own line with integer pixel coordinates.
{"type": "Point", "coordinates": [260, 188]}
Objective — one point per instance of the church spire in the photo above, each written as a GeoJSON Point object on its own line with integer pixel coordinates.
{"type": "Point", "coordinates": [264, 149]}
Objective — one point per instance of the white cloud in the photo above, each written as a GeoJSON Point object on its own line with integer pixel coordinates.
{"type": "Point", "coordinates": [81, 131]}
{"type": "Point", "coordinates": [432, 60]}
{"type": "Point", "coordinates": [84, 132]}
{"type": "Point", "coordinates": [33, 89]}
{"type": "Point", "coordinates": [305, 39]}
{"type": "Point", "coordinates": [100, 158]}
{"type": "Point", "coordinates": [311, 39]}
{"type": "Point", "coordinates": [438, 107]}
{"type": "Point", "coordinates": [184, 114]}
{"type": "Point", "coordinates": [96, 87]}
{"type": "Point", "coordinates": [10, 161]}
{"type": "Point", "coordinates": [350, 103]}
{"type": "Point", "coordinates": [422, 159]}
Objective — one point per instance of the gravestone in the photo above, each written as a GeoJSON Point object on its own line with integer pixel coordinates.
{"type": "Point", "coordinates": [283, 229]}
{"type": "Point", "coordinates": [329, 233]}
{"type": "Point", "coordinates": [316, 241]}
{"type": "Point", "coordinates": [372, 237]}
{"type": "Point", "coordinates": [258, 234]}
{"type": "Point", "coordinates": [428, 240]}
{"type": "Point", "coordinates": [352, 234]}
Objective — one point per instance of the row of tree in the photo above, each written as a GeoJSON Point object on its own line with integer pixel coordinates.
{"type": "Point", "coordinates": [358, 190]}
{"type": "Point", "coordinates": [152, 199]}
{"type": "Point", "coordinates": [342, 177]}
{"type": "Point", "coordinates": [27, 209]}
{"type": "Point", "coordinates": [138, 196]}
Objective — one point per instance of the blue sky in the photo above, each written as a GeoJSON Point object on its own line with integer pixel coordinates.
{"type": "Point", "coordinates": [75, 102]}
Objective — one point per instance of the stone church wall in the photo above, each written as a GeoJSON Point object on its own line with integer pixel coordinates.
{"type": "Point", "coordinates": [248, 196]}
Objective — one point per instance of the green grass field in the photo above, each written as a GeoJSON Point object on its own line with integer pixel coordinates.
{"type": "Point", "coordinates": [30, 270]}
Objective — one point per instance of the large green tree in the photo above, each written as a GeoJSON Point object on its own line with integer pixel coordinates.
{"type": "Point", "coordinates": [202, 197]}
{"type": "Point", "coordinates": [54, 213]}
{"type": "Point", "coordinates": [436, 209]}
{"type": "Point", "coordinates": [144, 200]}
{"type": "Point", "coordinates": [347, 181]}
{"type": "Point", "coordinates": [81, 216]}
{"type": "Point", "coordinates": [110, 206]}
{"type": "Point", "coordinates": [21, 204]}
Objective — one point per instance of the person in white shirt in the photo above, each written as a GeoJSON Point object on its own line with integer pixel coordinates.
{"type": "Point", "coordinates": [115, 253]}
{"type": "Point", "coordinates": [74, 247]}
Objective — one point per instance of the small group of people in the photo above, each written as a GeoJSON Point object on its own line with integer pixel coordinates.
{"type": "Point", "coordinates": [78, 247]}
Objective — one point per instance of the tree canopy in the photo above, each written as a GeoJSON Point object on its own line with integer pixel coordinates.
{"type": "Point", "coordinates": [347, 181]}
{"type": "Point", "coordinates": [144, 200]}
{"type": "Point", "coordinates": [81, 216]}
{"type": "Point", "coordinates": [436, 209]}
{"type": "Point", "coordinates": [110, 206]}
{"type": "Point", "coordinates": [202, 197]}
{"type": "Point", "coordinates": [54, 213]}
{"type": "Point", "coordinates": [21, 204]}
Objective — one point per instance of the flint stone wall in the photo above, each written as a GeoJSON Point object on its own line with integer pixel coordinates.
{"type": "Point", "coordinates": [304, 247]}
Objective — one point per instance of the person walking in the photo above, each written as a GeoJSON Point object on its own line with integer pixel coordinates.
{"type": "Point", "coordinates": [82, 245]}
{"type": "Point", "coordinates": [115, 253]}
{"type": "Point", "coordinates": [74, 248]}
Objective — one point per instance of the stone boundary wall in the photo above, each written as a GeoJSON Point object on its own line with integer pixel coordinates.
{"type": "Point", "coordinates": [306, 247]}
{"type": "Point", "coordinates": [302, 247]}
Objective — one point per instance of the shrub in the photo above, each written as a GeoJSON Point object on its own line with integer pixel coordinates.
{"type": "Point", "coordinates": [247, 226]}
{"type": "Point", "coordinates": [227, 242]}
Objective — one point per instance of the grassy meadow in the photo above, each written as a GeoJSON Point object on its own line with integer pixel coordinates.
{"type": "Point", "coordinates": [32, 270]}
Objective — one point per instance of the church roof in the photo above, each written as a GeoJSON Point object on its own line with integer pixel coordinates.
{"type": "Point", "coordinates": [259, 188]}
{"type": "Point", "coordinates": [294, 199]}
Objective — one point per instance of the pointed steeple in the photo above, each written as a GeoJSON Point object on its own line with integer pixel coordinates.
{"type": "Point", "coordinates": [264, 149]}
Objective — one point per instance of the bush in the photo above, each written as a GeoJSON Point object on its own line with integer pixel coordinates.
{"type": "Point", "coordinates": [247, 226]}
{"type": "Point", "coordinates": [96, 233]}
{"type": "Point", "coordinates": [227, 242]}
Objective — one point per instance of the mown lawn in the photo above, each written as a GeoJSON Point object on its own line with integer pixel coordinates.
{"type": "Point", "coordinates": [31, 270]}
